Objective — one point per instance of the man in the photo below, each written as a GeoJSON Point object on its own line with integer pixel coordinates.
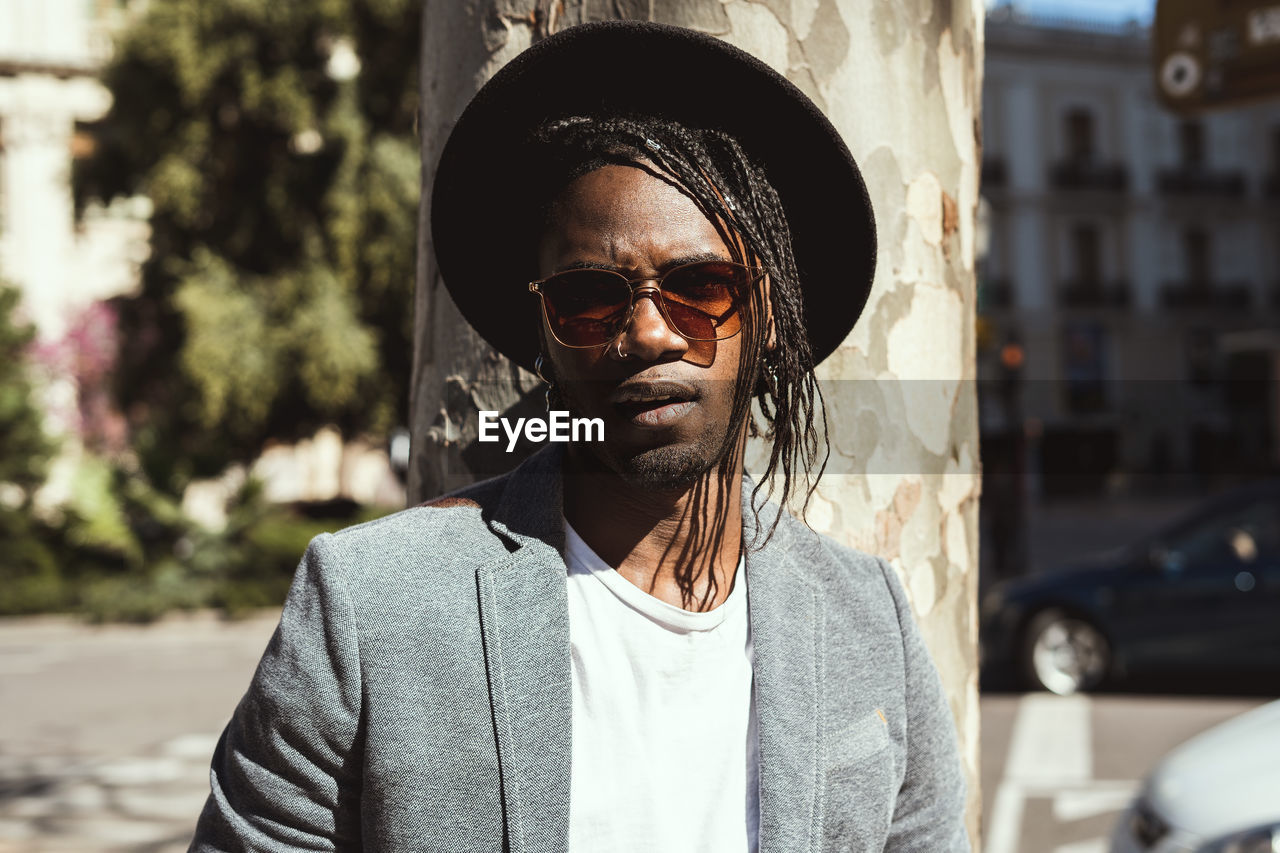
{"type": "Point", "coordinates": [618, 647]}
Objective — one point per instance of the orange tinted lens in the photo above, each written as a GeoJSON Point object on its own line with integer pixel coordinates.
{"type": "Point", "coordinates": [704, 301]}
{"type": "Point", "coordinates": [586, 307]}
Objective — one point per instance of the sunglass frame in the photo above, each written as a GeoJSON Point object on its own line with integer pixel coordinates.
{"type": "Point", "coordinates": [754, 275]}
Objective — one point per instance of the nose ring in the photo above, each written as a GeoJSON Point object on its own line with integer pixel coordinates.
{"type": "Point", "coordinates": [622, 356]}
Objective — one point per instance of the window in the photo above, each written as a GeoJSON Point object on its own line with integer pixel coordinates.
{"type": "Point", "coordinates": [1191, 144]}
{"type": "Point", "coordinates": [1195, 253]}
{"type": "Point", "coordinates": [1087, 255]}
{"type": "Point", "coordinates": [1202, 355]}
{"type": "Point", "coordinates": [1085, 367]}
{"type": "Point", "coordinates": [1080, 148]}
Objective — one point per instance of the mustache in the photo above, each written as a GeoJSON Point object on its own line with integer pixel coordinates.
{"type": "Point", "coordinates": [642, 390]}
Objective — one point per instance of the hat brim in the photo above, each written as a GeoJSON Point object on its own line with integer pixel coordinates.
{"type": "Point", "coordinates": [485, 251]}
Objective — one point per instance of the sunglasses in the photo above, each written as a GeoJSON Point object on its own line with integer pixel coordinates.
{"type": "Point", "coordinates": [702, 301]}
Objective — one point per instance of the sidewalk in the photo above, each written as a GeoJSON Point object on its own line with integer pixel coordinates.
{"type": "Point", "coordinates": [108, 731]}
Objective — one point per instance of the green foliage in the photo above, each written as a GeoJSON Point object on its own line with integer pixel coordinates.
{"type": "Point", "coordinates": [251, 563]}
{"type": "Point", "coordinates": [119, 549]}
{"type": "Point", "coordinates": [123, 551]}
{"type": "Point", "coordinates": [29, 579]}
{"type": "Point", "coordinates": [94, 517]}
{"type": "Point", "coordinates": [285, 202]}
{"type": "Point", "coordinates": [26, 450]}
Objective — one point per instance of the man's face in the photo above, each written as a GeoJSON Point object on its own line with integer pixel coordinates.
{"type": "Point", "coordinates": [666, 406]}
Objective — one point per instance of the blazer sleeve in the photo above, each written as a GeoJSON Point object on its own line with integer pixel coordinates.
{"type": "Point", "coordinates": [930, 810]}
{"type": "Point", "coordinates": [286, 772]}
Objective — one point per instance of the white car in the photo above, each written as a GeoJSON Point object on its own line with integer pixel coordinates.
{"type": "Point", "coordinates": [1217, 793]}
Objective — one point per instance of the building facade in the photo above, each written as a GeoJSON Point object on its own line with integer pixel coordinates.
{"type": "Point", "coordinates": [1130, 289]}
{"type": "Point", "coordinates": [51, 52]}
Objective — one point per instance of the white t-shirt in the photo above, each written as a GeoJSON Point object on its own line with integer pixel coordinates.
{"type": "Point", "coordinates": [665, 749]}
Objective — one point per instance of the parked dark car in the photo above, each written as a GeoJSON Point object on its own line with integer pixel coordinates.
{"type": "Point", "coordinates": [1199, 596]}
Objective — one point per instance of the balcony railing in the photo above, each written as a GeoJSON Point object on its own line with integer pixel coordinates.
{"type": "Point", "coordinates": [1089, 175]}
{"type": "Point", "coordinates": [1199, 181]}
{"type": "Point", "coordinates": [1091, 293]}
{"type": "Point", "coordinates": [1233, 296]}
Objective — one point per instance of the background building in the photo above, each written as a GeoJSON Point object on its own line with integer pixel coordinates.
{"type": "Point", "coordinates": [51, 52]}
{"type": "Point", "coordinates": [1129, 293]}
{"type": "Point", "coordinates": [66, 267]}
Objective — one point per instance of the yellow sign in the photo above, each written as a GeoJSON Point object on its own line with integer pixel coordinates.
{"type": "Point", "coordinates": [1216, 53]}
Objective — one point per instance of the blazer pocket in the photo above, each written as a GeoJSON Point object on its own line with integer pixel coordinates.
{"type": "Point", "coordinates": [861, 784]}
{"type": "Point", "coordinates": [864, 737]}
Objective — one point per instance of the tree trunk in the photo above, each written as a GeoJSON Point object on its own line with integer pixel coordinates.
{"type": "Point", "coordinates": [901, 80]}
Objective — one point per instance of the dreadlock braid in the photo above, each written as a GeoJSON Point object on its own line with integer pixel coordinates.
{"type": "Point", "coordinates": [712, 169]}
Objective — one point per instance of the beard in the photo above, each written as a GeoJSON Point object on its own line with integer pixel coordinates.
{"type": "Point", "coordinates": [665, 468]}
{"type": "Point", "coordinates": [670, 468]}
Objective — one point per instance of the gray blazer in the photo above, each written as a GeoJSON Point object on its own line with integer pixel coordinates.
{"type": "Point", "coordinates": [416, 695]}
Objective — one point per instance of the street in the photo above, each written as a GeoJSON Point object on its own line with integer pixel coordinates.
{"type": "Point", "coordinates": [1058, 770]}
{"type": "Point", "coordinates": [108, 731]}
{"type": "Point", "coordinates": [107, 735]}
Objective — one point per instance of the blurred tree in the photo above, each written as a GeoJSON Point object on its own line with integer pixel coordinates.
{"type": "Point", "coordinates": [25, 450]}
{"type": "Point", "coordinates": [25, 453]}
{"type": "Point", "coordinates": [275, 139]}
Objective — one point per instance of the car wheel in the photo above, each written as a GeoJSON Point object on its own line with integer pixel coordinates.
{"type": "Point", "coordinates": [1064, 654]}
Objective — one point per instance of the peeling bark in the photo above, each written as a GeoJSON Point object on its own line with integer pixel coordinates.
{"type": "Point", "coordinates": [901, 81]}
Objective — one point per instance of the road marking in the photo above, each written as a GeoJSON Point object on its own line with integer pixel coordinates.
{"type": "Point", "coordinates": [1079, 805]}
{"type": "Point", "coordinates": [1006, 820]}
{"type": "Point", "coordinates": [1052, 745]}
{"type": "Point", "coordinates": [1052, 740]}
{"type": "Point", "coordinates": [1093, 845]}
{"type": "Point", "coordinates": [1051, 756]}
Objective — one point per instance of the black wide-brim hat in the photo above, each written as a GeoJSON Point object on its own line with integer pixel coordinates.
{"type": "Point", "coordinates": [485, 239]}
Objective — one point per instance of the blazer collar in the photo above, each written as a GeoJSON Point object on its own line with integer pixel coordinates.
{"type": "Point", "coordinates": [530, 508]}
{"type": "Point", "coordinates": [525, 626]}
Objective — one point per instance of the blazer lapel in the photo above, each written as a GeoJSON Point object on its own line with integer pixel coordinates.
{"type": "Point", "coordinates": [524, 620]}
{"type": "Point", "coordinates": [786, 628]}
